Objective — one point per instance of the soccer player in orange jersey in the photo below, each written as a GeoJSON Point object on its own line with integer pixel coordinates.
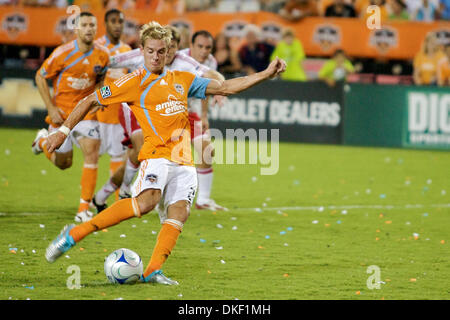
{"type": "Point", "coordinates": [158, 98]}
{"type": "Point", "coordinates": [75, 68]}
{"type": "Point", "coordinates": [111, 132]}
{"type": "Point", "coordinates": [124, 175]}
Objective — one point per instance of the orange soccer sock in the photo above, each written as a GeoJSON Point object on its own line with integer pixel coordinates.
{"type": "Point", "coordinates": [114, 164]}
{"type": "Point", "coordinates": [43, 146]}
{"type": "Point", "coordinates": [167, 239]}
{"type": "Point", "coordinates": [88, 182]}
{"type": "Point", "coordinates": [119, 211]}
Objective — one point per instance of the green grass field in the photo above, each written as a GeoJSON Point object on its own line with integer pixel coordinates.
{"type": "Point", "coordinates": [308, 232]}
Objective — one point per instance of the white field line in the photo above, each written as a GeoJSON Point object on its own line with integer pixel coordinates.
{"type": "Point", "coordinates": [349, 207]}
{"type": "Point", "coordinates": [298, 208]}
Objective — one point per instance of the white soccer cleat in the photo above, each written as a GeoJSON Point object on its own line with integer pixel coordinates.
{"type": "Point", "coordinates": [210, 205]}
{"type": "Point", "coordinates": [84, 216]}
{"type": "Point", "coordinates": [158, 277]}
{"type": "Point", "coordinates": [61, 244]}
{"type": "Point", "coordinates": [43, 133]}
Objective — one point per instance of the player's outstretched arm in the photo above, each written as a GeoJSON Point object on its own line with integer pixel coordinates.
{"type": "Point", "coordinates": [236, 85]}
{"type": "Point", "coordinates": [44, 91]}
{"type": "Point", "coordinates": [55, 140]}
{"type": "Point", "coordinates": [213, 74]}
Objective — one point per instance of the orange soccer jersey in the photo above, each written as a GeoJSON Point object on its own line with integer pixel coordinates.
{"type": "Point", "coordinates": [111, 114]}
{"type": "Point", "coordinates": [74, 74]}
{"type": "Point", "coordinates": [159, 103]}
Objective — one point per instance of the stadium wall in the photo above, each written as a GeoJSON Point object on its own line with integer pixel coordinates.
{"type": "Point", "coordinates": [309, 112]}
{"type": "Point", "coordinates": [305, 112]}
{"type": "Point", "coordinates": [397, 116]}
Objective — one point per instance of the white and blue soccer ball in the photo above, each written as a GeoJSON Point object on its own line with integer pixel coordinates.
{"type": "Point", "coordinates": [123, 266]}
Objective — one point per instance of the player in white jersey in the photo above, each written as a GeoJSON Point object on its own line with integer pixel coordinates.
{"type": "Point", "coordinates": [133, 60]}
{"type": "Point", "coordinates": [200, 49]}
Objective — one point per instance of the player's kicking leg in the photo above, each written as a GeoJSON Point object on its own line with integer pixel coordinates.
{"type": "Point", "coordinates": [136, 207]}
{"type": "Point", "coordinates": [179, 193]}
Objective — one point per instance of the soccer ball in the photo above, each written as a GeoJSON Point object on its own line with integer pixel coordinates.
{"type": "Point", "coordinates": [123, 266]}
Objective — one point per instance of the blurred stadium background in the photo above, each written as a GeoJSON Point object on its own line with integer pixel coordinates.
{"type": "Point", "coordinates": [320, 101]}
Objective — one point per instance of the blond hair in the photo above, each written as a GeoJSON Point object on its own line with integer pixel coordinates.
{"type": "Point", "coordinates": [153, 30]}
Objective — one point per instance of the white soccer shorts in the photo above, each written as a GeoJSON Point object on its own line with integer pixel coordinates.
{"type": "Point", "coordinates": [176, 182]}
{"type": "Point", "coordinates": [84, 129]}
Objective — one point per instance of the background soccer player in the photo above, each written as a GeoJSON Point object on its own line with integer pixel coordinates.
{"type": "Point", "coordinates": [158, 98]}
{"type": "Point", "coordinates": [111, 132]}
{"type": "Point", "coordinates": [75, 68]}
{"type": "Point", "coordinates": [200, 49]}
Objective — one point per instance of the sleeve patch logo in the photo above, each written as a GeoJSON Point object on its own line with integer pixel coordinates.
{"type": "Point", "coordinates": [105, 92]}
{"type": "Point", "coordinates": [179, 88]}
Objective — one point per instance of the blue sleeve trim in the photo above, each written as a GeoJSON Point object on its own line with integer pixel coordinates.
{"type": "Point", "coordinates": [96, 97]}
{"type": "Point", "coordinates": [198, 88]}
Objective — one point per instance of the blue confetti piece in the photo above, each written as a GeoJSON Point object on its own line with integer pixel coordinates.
{"type": "Point", "coordinates": [30, 287]}
{"type": "Point", "coordinates": [339, 222]}
{"type": "Point", "coordinates": [267, 237]}
{"type": "Point", "coordinates": [382, 196]}
{"type": "Point", "coordinates": [425, 214]}
{"type": "Point", "coordinates": [202, 240]}
{"type": "Point", "coordinates": [289, 229]}
{"type": "Point", "coordinates": [282, 232]}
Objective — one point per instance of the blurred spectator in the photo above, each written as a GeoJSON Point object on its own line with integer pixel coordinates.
{"type": "Point", "coordinates": [272, 5]}
{"type": "Point", "coordinates": [229, 6]}
{"type": "Point", "coordinates": [60, 3]}
{"type": "Point", "coordinates": [413, 5]}
{"type": "Point", "coordinates": [227, 58]}
{"type": "Point", "coordinates": [120, 4]}
{"type": "Point", "coordinates": [443, 72]}
{"type": "Point", "coordinates": [170, 6]}
{"type": "Point", "coordinates": [198, 5]}
{"type": "Point", "coordinates": [149, 5]}
{"type": "Point", "coordinates": [295, 10]}
{"type": "Point", "coordinates": [426, 62]}
{"type": "Point", "coordinates": [36, 3]}
{"type": "Point", "coordinates": [336, 69]}
{"type": "Point", "coordinates": [161, 6]}
{"type": "Point", "coordinates": [8, 2]}
{"type": "Point", "coordinates": [398, 10]}
{"type": "Point", "coordinates": [444, 9]}
{"type": "Point", "coordinates": [254, 54]}
{"type": "Point", "coordinates": [426, 12]}
{"type": "Point", "coordinates": [291, 50]}
{"type": "Point", "coordinates": [340, 9]}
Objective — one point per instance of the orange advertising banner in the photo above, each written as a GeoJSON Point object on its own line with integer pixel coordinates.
{"type": "Point", "coordinates": [319, 36]}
